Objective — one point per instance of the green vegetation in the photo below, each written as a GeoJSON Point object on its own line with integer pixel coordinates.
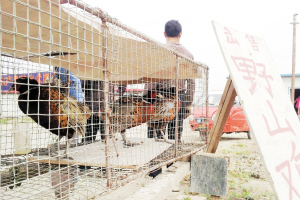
{"type": "Point", "coordinates": [185, 180]}
{"type": "Point", "coordinates": [240, 174]}
{"type": "Point", "coordinates": [227, 151]}
{"type": "Point", "coordinates": [25, 120]}
{"type": "Point", "coordinates": [19, 120]}
{"type": "Point", "coordinates": [5, 120]}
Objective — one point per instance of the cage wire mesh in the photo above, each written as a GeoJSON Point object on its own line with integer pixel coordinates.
{"type": "Point", "coordinates": [71, 70]}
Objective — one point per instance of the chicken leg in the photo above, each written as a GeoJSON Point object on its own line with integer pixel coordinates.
{"type": "Point", "coordinates": [54, 153]}
{"type": "Point", "coordinates": [163, 135]}
{"type": "Point", "coordinates": [127, 142]}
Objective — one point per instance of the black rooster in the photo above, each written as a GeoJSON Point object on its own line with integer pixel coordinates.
{"type": "Point", "coordinates": [53, 108]}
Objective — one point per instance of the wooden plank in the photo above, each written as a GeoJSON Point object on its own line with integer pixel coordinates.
{"type": "Point", "coordinates": [94, 154]}
{"type": "Point", "coordinates": [82, 60]}
{"type": "Point", "coordinates": [222, 114]}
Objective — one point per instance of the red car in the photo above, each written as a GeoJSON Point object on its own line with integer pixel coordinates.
{"type": "Point", "coordinates": [236, 121]}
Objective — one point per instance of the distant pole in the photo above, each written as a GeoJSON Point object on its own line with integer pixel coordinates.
{"type": "Point", "coordinates": [294, 57]}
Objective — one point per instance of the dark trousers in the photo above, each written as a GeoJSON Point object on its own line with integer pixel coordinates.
{"type": "Point", "coordinates": [171, 124]}
{"type": "Point", "coordinates": [150, 133]}
{"type": "Point", "coordinates": [181, 115]}
{"type": "Point", "coordinates": [296, 109]}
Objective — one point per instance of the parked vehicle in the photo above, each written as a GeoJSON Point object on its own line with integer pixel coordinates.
{"type": "Point", "coordinates": [236, 121]}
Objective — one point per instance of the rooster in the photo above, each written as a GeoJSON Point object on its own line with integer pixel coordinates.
{"type": "Point", "coordinates": [165, 111]}
{"type": "Point", "coordinates": [52, 108]}
{"type": "Point", "coordinates": [133, 111]}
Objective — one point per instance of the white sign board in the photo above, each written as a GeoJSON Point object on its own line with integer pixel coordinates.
{"type": "Point", "coordinates": [267, 107]}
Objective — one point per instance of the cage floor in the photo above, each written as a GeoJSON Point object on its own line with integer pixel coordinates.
{"type": "Point", "coordinates": [132, 157]}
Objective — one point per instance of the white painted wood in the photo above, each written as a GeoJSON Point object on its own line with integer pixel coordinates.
{"type": "Point", "coordinates": [267, 107]}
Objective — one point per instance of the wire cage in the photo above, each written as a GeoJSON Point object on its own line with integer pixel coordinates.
{"type": "Point", "coordinates": [83, 107]}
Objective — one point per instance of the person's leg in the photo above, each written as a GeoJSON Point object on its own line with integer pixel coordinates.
{"type": "Point", "coordinates": [150, 132]}
{"type": "Point", "coordinates": [171, 130]}
{"type": "Point", "coordinates": [181, 114]}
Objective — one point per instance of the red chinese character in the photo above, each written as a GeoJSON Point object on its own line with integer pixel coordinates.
{"type": "Point", "coordinates": [287, 163]}
{"type": "Point", "coordinates": [264, 75]}
{"type": "Point", "coordinates": [246, 66]}
{"type": "Point", "coordinates": [253, 42]}
{"type": "Point", "coordinates": [9, 78]}
{"type": "Point", "coordinates": [31, 76]}
{"type": "Point", "coordinates": [230, 38]}
{"type": "Point", "coordinates": [3, 82]}
{"type": "Point", "coordinates": [279, 129]}
{"type": "Point", "coordinates": [38, 78]}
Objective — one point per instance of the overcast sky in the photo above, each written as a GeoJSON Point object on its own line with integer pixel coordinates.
{"type": "Point", "coordinates": [269, 20]}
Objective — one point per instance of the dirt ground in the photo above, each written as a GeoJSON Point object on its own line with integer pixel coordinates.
{"type": "Point", "coordinates": [246, 175]}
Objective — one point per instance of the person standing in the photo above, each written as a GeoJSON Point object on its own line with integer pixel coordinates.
{"type": "Point", "coordinates": [186, 87]}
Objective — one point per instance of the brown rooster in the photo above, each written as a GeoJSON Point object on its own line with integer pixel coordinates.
{"type": "Point", "coordinates": [130, 112]}
{"type": "Point", "coordinates": [52, 108]}
{"type": "Point", "coordinates": [165, 111]}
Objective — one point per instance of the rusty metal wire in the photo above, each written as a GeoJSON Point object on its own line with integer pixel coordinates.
{"type": "Point", "coordinates": [68, 69]}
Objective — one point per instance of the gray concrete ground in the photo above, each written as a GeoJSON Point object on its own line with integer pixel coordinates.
{"type": "Point", "coordinates": [246, 177]}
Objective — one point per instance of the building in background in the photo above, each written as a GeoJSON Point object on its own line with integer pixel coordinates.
{"type": "Point", "coordinates": [287, 81]}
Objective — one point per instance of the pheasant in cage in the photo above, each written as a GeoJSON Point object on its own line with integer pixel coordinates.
{"type": "Point", "coordinates": [53, 108]}
{"type": "Point", "coordinates": [162, 115]}
{"type": "Point", "coordinates": [132, 111]}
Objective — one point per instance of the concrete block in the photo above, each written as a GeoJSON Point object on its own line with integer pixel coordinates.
{"type": "Point", "coordinates": [208, 174]}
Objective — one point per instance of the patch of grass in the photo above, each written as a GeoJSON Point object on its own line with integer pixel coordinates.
{"type": "Point", "coordinates": [244, 195]}
{"type": "Point", "coordinates": [227, 151]}
{"type": "Point", "coordinates": [239, 175]}
{"type": "Point", "coordinates": [241, 145]}
{"type": "Point", "coordinates": [188, 196]}
{"type": "Point", "coordinates": [185, 180]}
{"type": "Point", "coordinates": [208, 196]}
{"type": "Point", "coordinates": [237, 189]}
{"type": "Point", "coordinates": [5, 120]}
{"type": "Point", "coordinates": [238, 149]}
{"type": "Point", "coordinates": [245, 152]}
{"type": "Point", "coordinates": [232, 186]}
{"type": "Point", "coordinates": [267, 194]}
{"type": "Point", "coordinates": [25, 120]}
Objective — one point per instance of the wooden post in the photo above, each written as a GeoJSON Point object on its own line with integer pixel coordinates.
{"type": "Point", "coordinates": [224, 108]}
{"type": "Point", "coordinates": [106, 90]}
{"type": "Point", "coordinates": [212, 197]}
{"type": "Point", "coordinates": [206, 104]}
{"type": "Point", "coordinates": [294, 58]}
{"type": "Point", "coordinates": [176, 108]}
